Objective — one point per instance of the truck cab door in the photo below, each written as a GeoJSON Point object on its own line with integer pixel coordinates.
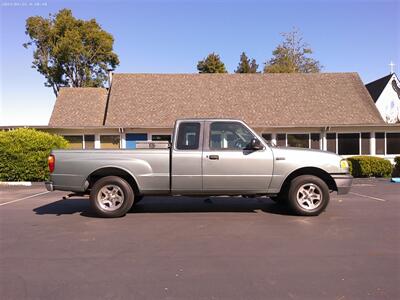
{"type": "Point", "coordinates": [229, 166]}
{"type": "Point", "coordinates": [186, 170]}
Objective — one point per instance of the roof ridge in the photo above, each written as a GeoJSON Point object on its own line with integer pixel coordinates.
{"type": "Point", "coordinates": [237, 74]}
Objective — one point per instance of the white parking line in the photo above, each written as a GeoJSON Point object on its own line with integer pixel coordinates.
{"type": "Point", "coordinates": [370, 197]}
{"type": "Point", "coordinates": [12, 201]}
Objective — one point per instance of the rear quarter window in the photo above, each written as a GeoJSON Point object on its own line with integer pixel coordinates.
{"type": "Point", "coordinates": [188, 136]}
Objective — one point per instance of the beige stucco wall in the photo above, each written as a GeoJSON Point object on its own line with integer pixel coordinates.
{"type": "Point", "coordinates": [97, 132]}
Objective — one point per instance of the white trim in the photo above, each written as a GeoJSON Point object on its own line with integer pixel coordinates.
{"type": "Point", "coordinates": [324, 141]}
{"type": "Point", "coordinates": [385, 144]}
{"type": "Point", "coordinates": [83, 142]}
{"type": "Point", "coordinates": [372, 144]}
{"type": "Point", "coordinates": [123, 141]}
{"type": "Point", "coordinates": [337, 143]}
{"type": "Point", "coordinates": [273, 138]}
{"type": "Point", "coordinates": [97, 144]}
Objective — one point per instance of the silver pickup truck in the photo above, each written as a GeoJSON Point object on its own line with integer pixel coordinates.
{"type": "Point", "coordinates": [207, 157]}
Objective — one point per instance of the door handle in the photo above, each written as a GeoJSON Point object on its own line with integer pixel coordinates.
{"type": "Point", "coordinates": [214, 157]}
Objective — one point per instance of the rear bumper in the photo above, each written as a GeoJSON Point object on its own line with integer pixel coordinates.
{"type": "Point", "coordinates": [343, 183]}
{"type": "Point", "coordinates": [49, 186]}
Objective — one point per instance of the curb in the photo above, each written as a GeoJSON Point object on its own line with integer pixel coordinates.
{"type": "Point", "coordinates": [16, 183]}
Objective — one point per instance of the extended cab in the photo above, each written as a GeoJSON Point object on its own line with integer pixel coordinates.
{"type": "Point", "coordinates": [207, 157]}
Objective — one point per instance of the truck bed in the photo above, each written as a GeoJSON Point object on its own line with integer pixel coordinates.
{"type": "Point", "coordinates": [149, 167]}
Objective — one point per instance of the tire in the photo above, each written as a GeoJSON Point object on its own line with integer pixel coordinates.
{"type": "Point", "coordinates": [308, 195]}
{"type": "Point", "coordinates": [111, 197]}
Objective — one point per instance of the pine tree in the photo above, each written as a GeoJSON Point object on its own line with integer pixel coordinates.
{"type": "Point", "coordinates": [245, 66]}
{"type": "Point", "coordinates": [211, 64]}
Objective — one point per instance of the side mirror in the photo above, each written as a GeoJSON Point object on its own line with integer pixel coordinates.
{"type": "Point", "coordinates": [255, 144]}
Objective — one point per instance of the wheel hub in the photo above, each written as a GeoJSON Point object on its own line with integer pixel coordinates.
{"type": "Point", "coordinates": [309, 196]}
{"type": "Point", "coordinates": [110, 197]}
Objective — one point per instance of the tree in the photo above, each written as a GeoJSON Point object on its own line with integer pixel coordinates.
{"type": "Point", "coordinates": [292, 56]}
{"type": "Point", "coordinates": [211, 64]}
{"type": "Point", "coordinates": [245, 65]}
{"type": "Point", "coordinates": [69, 51]}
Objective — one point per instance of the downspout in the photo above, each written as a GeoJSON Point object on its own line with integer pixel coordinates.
{"type": "Point", "coordinates": [110, 76]}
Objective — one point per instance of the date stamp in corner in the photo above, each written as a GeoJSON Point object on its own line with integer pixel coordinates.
{"type": "Point", "coordinates": [13, 4]}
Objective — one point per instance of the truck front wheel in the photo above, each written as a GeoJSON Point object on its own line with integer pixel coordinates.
{"type": "Point", "coordinates": [308, 195]}
{"type": "Point", "coordinates": [111, 197]}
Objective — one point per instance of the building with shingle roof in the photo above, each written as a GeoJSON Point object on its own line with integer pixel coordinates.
{"type": "Point", "coordinates": [261, 100]}
{"type": "Point", "coordinates": [327, 111]}
{"type": "Point", "coordinates": [79, 107]}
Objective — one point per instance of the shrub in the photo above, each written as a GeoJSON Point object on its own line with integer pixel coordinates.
{"type": "Point", "coordinates": [350, 166]}
{"type": "Point", "coordinates": [366, 166]}
{"type": "Point", "coordinates": [24, 152]}
{"type": "Point", "coordinates": [396, 169]}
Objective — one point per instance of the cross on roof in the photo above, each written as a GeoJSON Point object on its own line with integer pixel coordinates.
{"type": "Point", "coordinates": [391, 65]}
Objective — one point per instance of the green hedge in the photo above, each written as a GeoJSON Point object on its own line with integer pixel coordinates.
{"type": "Point", "coordinates": [367, 166]}
{"type": "Point", "coordinates": [24, 152]}
{"type": "Point", "coordinates": [396, 170]}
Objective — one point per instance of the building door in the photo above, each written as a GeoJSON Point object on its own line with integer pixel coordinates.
{"type": "Point", "coordinates": [132, 138]}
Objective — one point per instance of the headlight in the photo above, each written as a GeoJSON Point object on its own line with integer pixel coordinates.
{"type": "Point", "coordinates": [344, 165]}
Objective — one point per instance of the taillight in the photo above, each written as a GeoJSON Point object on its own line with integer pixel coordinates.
{"type": "Point", "coordinates": [51, 160]}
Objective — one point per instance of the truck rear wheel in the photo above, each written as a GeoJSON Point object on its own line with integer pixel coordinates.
{"type": "Point", "coordinates": [308, 195]}
{"type": "Point", "coordinates": [111, 197]}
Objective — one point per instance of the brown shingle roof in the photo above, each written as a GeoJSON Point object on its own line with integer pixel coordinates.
{"type": "Point", "coordinates": [262, 100]}
{"type": "Point", "coordinates": [77, 107]}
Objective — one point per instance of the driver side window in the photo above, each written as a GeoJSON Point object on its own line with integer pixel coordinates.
{"type": "Point", "coordinates": [229, 136]}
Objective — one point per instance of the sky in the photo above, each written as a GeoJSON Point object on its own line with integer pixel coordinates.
{"type": "Point", "coordinates": [168, 36]}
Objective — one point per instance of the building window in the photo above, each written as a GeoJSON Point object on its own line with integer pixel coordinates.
{"type": "Point", "coordinates": [132, 138]}
{"type": "Point", "coordinates": [349, 143]}
{"type": "Point", "coordinates": [75, 141]}
{"type": "Point", "coordinates": [298, 140]}
{"type": "Point", "coordinates": [89, 141]}
{"type": "Point", "coordinates": [380, 143]}
{"type": "Point", "coordinates": [393, 143]}
{"type": "Point", "coordinates": [331, 142]}
{"type": "Point", "coordinates": [267, 137]}
{"type": "Point", "coordinates": [110, 141]}
{"type": "Point", "coordinates": [161, 137]}
{"type": "Point", "coordinates": [365, 142]}
{"type": "Point", "coordinates": [281, 139]}
{"type": "Point", "coordinates": [315, 141]}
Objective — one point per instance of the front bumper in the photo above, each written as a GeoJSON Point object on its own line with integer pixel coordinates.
{"type": "Point", "coordinates": [343, 183]}
{"type": "Point", "coordinates": [49, 186]}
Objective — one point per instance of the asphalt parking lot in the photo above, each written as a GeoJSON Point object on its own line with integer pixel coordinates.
{"type": "Point", "coordinates": [193, 248]}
